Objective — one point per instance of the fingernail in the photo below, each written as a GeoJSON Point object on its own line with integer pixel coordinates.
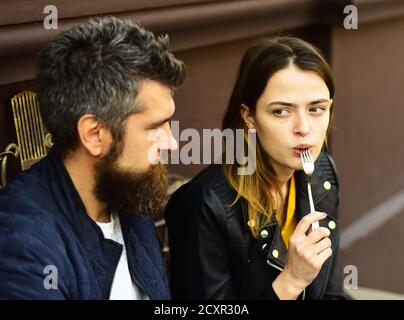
{"type": "Point", "coordinates": [324, 214]}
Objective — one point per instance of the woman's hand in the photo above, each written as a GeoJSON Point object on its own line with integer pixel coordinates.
{"type": "Point", "coordinates": [307, 252]}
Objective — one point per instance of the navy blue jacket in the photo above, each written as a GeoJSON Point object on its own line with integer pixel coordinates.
{"type": "Point", "coordinates": [43, 222]}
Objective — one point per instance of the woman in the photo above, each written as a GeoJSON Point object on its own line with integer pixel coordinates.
{"type": "Point", "coordinates": [238, 236]}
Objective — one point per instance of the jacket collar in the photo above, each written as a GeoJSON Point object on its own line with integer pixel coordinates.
{"type": "Point", "coordinates": [302, 208]}
{"type": "Point", "coordinates": [142, 246]}
{"type": "Point", "coordinates": [273, 246]}
{"type": "Point", "coordinates": [69, 202]}
{"type": "Point", "coordinates": [302, 201]}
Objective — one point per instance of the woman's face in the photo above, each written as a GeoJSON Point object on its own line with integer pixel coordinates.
{"type": "Point", "coordinates": [292, 114]}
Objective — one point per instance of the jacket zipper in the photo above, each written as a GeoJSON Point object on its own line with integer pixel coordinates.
{"type": "Point", "coordinates": [281, 269]}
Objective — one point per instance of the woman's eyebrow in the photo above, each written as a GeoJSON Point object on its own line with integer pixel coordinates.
{"type": "Point", "coordinates": [282, 103]}
{"type": "Point", "coordinates": [288, 104]}
{"type": "Point", "coordinates": [319, 101]}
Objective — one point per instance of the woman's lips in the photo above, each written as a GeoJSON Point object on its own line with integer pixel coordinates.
{"type": "Point", "coordinates": [303, 146]}
{"type": "Point", "coordinates": [297, 150]}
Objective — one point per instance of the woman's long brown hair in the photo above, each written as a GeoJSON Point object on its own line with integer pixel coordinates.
{"type": "Point", "coordinates": [261, 188]}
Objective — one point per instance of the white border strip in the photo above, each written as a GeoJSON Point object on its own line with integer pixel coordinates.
{"type": "Point", "coordinates": [372, 220]}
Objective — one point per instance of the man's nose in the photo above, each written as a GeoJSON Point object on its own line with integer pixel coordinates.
{"type": "Point", "coordinates": [173, 144]}
{"type": "Point", "coordinates": [167, 141]}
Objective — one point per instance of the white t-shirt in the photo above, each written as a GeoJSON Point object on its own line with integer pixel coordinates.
{"type": "Point", "coordinates": [123, 288]}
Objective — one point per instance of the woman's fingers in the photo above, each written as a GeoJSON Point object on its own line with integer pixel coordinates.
{"type": "Point", "coordinates": [323, 256]}
{"type": "Point", "coordinates": [320, 246]}
{"type": "Point", "coordinates": [305, 223]}
{"type": "Point", "coordinates": [307, 253]}
{"type": "Point", "coordinates": [318, 234]}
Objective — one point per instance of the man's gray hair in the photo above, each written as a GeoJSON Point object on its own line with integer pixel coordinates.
{"type": "Point", "coordinates": [97, 68]}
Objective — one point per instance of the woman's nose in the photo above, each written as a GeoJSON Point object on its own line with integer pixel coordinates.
{"type": "Point", "coordinates": [302, 125]}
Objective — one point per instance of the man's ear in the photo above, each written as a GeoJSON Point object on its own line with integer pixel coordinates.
{"type": "Point", "coordinates": [247, 116]}
{"type": "Point", "coordinates": [94, 136]}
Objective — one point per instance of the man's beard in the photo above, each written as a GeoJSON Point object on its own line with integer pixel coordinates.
{"type": "Point", "coordinates": [132, 193]}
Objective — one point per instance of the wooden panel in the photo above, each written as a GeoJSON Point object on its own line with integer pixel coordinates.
{"type": "Point", "coordinates": [190, 26]}
{"type": "Point", "coordinates": [378, 258]}
{"type": "Point", "coordinates": [23, 11]}
{"type": "Point", "coordinates": [367, 144]}
{"type": "Point", "coordinates": [369, 114]}
{"type": "Point", "coordinates": [17, 38]}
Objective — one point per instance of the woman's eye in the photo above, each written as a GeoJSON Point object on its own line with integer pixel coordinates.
{"type": "Point", "coordinates": [317, 109]}
{"type": "Point", "coordinates": [280, 112]}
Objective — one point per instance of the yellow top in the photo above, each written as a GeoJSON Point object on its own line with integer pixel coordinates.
{"type": "Point", "coordinates": [290, 221]}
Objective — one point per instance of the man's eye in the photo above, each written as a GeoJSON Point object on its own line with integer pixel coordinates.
{"type": "Point", "coordinates": [160, 126]}
{"type": "Point", "coordinates": [155, 128]}
{"type": "Point", "coordinates": [281, 112]}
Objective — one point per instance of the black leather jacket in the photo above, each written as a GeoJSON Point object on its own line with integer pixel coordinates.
{"type": "Point", "coordinates": [215, 256]}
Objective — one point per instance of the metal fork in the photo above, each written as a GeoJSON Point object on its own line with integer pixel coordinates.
{"type": "Point", "coordinates": [308, 168]}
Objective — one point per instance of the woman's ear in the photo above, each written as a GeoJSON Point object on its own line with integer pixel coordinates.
{"type": "Point", "coordinates": [247, 116]}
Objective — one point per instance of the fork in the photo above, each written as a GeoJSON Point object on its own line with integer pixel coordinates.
{"type": "Point", "coordinates": [308, 168]}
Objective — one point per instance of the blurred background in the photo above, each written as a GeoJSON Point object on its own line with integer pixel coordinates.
{"type": "Point", "coordinates": [211, 37]}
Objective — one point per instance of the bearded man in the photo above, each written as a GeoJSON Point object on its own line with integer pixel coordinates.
{"type": "Point", "coordinates": [79, 224]}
